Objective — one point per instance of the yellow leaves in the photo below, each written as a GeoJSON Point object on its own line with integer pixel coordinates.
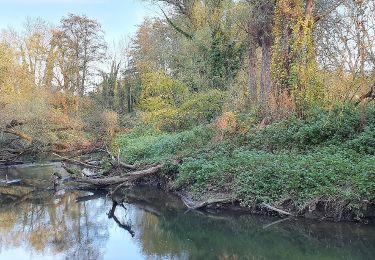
{"type": "Point", "coordinates": [197, 108]}
{"type": "Point", "coordinates": [199, 14]}
{"type": "Point", "coordinates": [110, 120]}
{"type": "Point", "coordinates": [294, 56]}
{"type": "Point", "coordinates": [158, 84]}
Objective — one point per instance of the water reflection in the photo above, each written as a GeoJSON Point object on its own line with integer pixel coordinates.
{"type": "Point", "coordinates": [39, 224]}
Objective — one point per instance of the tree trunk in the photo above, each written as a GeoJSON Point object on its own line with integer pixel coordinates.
{"type": "Point", "coordinates": [309, 9]}
{"type": "Point", "coordinates": [265, 78]}
{"type": "Point", "coordinates": [252, 53]}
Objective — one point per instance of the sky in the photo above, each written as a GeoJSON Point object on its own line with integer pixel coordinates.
{"type": "Point", "coordinates": [119, 18]}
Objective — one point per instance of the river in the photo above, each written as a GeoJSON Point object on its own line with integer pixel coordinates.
{"type": "Point", "coordinates": [47, 224]}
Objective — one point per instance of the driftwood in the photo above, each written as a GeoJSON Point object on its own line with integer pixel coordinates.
{"type": "Point", "coordinates": [282, 212]}
{"type": "Point", "coordinates": [199, 205]}
{"type": "Point", "coordinates": [118, 187]}
{"type": "Point", "coordinates": [127, 177]}
{"type": "Point", "coordinates": [75, 161]}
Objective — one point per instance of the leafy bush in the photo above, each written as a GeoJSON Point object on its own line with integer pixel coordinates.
{"type": "Point", "coordinates": [320, 127]}
{"type": "Point", "coordinates": [199, 108]}
{"type": "Point", "coordinates": [327, 155]}
{"type": "Point", "coordinates": [262, 176]}
{"type": "Point", "coordinates": [202, 107]}
{"type": "Point", "coordinates": [148, 145]}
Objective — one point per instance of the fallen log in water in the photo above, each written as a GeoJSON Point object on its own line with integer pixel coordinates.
{"type": "Point", "coordinates": [127, 177]}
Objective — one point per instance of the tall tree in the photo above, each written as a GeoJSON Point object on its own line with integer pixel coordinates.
{"type": "Point", "coordinates": [259, 30]}
{"type": "Point", "coordinates": [82, 40]}
{"type": "Point", "coordinates": [294, 57]}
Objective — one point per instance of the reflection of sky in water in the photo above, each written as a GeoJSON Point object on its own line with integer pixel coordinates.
{"type": "Point", "coordinates": [51, 225]}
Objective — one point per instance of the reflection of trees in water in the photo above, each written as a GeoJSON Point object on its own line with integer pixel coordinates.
{"type": "Point", "coordinates": [195, 236]}
{"type": "Point", "coordinates": [58, 225]}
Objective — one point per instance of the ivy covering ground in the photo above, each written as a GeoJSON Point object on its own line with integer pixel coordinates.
{"type": "Point", "coordinates": [327, 155]}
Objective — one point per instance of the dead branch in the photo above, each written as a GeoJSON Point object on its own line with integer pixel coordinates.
{"type": "Point", "coordinates": [119, 162]}
{"type": "Point", "coordinates": [75, 161]}
{"type": "Point", "coordinates": [275, 209]}
{"type": "Point", "coordinates": [118, 187]}
{"type": "Point", "coordinates": [194, 205]}
{"type": "Point", "coordinates": [19, 134]}
{"type": "Point", "coordinates": [128, 177]}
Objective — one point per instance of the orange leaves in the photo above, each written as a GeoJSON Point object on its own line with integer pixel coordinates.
{"type": "Point", "coordinates": [226, 123]}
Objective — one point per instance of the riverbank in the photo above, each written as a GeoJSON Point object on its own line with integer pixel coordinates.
{"type": "Point", "coordinates": [46, 223]}
{"type": "Point", "coordinates": [317, 167]}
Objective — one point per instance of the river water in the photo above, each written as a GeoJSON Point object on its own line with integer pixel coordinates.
{"type": "Point", "coordinates": [46, 224]}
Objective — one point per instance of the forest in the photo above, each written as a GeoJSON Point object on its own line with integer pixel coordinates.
{"type": "Point", "coordinates": [266, 104]}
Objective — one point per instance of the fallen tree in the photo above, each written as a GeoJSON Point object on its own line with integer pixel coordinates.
{"type": "Point", "coordinates": [123, 178]}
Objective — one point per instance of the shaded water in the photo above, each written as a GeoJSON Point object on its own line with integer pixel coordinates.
{"type": "Point", "coordinates": [154, 225]}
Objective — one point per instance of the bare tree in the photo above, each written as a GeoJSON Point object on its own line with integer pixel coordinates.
{"type": "Point", "coordinates": [82, 40]}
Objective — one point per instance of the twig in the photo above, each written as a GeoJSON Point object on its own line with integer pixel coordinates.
{"type": "Point", "coordinates": [75, 161]}
{"type": "Point", "coordinates": [118, 162]}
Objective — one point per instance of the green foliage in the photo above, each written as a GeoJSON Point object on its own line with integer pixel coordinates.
{"type": "Point", "coordinates": [253, 175]}
{"type": "Point", "coordinates": [202, 107]}
{"type": "Point", "coordinates": [199, 108]}
{"type": "Point", "coordinates": [147, 145]}
{"type": "Point", "coordinates": [294, 65]}
{"type": "Point", "coordinates": [158, 87]}
{"type": "Point", "coordinates": [349, 127]}
{"type": "Point", "coordinates": [328, 155]}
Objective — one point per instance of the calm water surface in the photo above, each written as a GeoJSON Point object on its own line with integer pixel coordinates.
{"type": "Point", "coordinates": [44, 224]}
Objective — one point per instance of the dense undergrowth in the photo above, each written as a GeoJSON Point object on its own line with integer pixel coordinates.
{"type": "Point", "coordinates": [328, 155]}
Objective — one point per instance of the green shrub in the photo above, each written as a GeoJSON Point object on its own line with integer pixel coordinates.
{"type": "Point", "coordinates": [262, 176]}
{"type": "Point", "coordinates": [320, 127]}
{"type": "Point", "coordinates": [149, 145]}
